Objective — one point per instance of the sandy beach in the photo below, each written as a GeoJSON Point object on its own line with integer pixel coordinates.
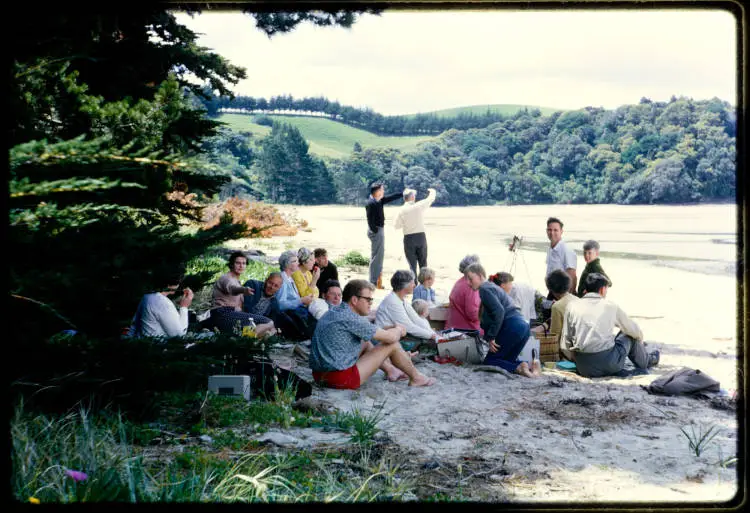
{"type": "Point", "coordinates": [563, 437]}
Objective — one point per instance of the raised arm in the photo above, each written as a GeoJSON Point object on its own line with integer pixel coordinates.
{"type": "Point", "coordinates": [429, 200]}
{"type": "Point", "coordinates": [391, 197]}
{"type": "Point", "coordinates": [175, 322]}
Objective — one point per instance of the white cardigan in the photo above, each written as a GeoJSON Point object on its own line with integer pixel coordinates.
{"type": "Point", "coordinates": [392, 310]}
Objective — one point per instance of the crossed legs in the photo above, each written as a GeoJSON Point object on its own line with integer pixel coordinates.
{"type": "Point", "coordinates": [390, 358]}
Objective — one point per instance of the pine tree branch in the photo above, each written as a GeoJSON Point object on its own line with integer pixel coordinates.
{"type": "Point", "coordinates": [46, 307]}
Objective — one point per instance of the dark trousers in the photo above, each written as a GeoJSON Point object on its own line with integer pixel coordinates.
{"type": "Point", "coordinates": [612, 361]}
{"type": "Point", "coordinates": [231, 321]}
{"type": "Point", "coordinates": [295, 324]}
{"type": "Point", "coordinates": [511, 339]}
{"type": "Point", "coordinates": [415, 248]}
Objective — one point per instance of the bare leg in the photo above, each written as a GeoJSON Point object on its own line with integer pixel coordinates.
{"type": "Point", "coordinates": [536, 368]}
{"type": "Point", "coordinates": [373, 359]}
{"type": "Point", "coordinates": [402, 360]}
{"type": "Point", "coordinates": [391, 372]}
{"type": "Point", "coordinates": [524, 370]}
{"type": "Point", "coordinates": [266, 329]}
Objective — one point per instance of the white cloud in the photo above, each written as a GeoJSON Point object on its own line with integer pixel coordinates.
{"type": "Point", "coordinates": [403, 62]}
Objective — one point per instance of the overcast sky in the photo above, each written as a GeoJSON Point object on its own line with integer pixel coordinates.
{"type": "Point", "coordinates": [404, 61]}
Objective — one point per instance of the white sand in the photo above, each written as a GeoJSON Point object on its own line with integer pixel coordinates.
{"type": "Point", "coordinates": [636, 451]}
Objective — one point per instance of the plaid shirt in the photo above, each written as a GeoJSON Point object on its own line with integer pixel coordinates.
{"type": "Point", "coordinates": [338, 338]}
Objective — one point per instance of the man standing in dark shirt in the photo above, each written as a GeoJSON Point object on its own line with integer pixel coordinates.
{"type": "Point", "coordinates": [375, 229]}
{"type": "Point", "coordinates": [328, 270]}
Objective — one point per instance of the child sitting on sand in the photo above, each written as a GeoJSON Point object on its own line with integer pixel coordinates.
{"type": "Point", "coordinates": [424, 290]}
{"type": "Point", "coordinates": [422, 308]}
{"type": "Point", "coordinates": [591, 256]}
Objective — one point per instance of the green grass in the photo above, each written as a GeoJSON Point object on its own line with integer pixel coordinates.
{"type": "Point", "coordinates": [505, 109]}
{"type": "Point", "coordinates": [45, 447]}
{"type": "Point", "coordinates": [353, 258]}
{"type": "Point", "coordinates": [327, 138]}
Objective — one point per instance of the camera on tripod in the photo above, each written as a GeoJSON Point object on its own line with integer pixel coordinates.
{"type": "Point", "coordinates": [515, 244]}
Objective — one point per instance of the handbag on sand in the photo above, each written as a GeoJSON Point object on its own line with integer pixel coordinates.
{"type": "Point", "coordinates": [463, 345]}
{"type": "Point", "coordinates": [683, 381]}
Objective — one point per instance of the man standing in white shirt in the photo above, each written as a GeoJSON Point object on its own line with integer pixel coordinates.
{"type": "Point", "coordinates": [559, 255]}
{"type": "Point", "coordinates": [587, 332]}
{"type": "Point", "coordinates": [157, 316]}
{"type": "Point", "coordinates": [410, 219]}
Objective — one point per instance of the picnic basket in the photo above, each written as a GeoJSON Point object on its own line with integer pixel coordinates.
{"type": "Point", "coordinates": [549, 347]}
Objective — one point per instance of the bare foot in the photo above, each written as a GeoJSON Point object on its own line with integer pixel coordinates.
{"type": "Point", "coordinates": [523, 370]}
{"type": "Point", "coordinates": [412, 354]}
{"type": "Point", "coordinates": [396, 375]}
{"type": "Point", "coordinates": [536, 368]}
{"type": "Point", "coordinates": [422, 381]}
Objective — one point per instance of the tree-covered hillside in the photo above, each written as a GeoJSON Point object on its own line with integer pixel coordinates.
{"type": "Point", "coordinates": [681, 151]}
{"type": "Point", "coordinates": [427, 123]}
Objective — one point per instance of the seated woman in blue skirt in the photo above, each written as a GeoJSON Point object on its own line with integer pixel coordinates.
{"type": "Point", "coordinates": [504, 327]}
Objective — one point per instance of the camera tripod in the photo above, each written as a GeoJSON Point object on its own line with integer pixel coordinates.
{"type": "Point", "coordinates": [515, 249]}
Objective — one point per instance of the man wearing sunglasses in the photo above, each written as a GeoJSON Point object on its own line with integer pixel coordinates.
{"type": "Point", "coordinates": [342, 354]}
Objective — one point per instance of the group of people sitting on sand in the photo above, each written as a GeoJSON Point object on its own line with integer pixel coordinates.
{"type": "Point", "coordinates": [349, 342]}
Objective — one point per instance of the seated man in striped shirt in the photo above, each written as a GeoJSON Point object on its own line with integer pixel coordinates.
{"type": "Point", "coordinates": [342, 354]}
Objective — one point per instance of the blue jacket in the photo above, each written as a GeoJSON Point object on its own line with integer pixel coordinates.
{"type": "Point", "coordinates": [288, 296]}
{"type": "Point", "coordinates": [251, 301]}
{"type": "Point", "coordinates": [420, 292]}
{"type": "Point", "coordinates": [497, 306]}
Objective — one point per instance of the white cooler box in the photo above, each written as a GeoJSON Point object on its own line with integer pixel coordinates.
{"type": "Point", "coordinates": [230, 385]}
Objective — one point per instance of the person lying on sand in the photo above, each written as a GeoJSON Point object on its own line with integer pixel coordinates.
{"type": "Point", "coordinates": [504, 327]}
{"type": "Point", "coordinates": [340, 359]}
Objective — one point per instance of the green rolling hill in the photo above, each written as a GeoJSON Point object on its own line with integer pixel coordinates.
{"type": "Point", "coordinates": [326, 138]}
{"type": "Point", "coordinates": [501, 108]}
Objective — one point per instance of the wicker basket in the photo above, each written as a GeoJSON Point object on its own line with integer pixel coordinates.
{"type": "Point", "coordinates": [549, 347]}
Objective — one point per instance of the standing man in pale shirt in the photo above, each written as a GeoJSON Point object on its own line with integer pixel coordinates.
{"type": "Point", "coordinates": [376, 229]}
{"type": "Point", "coordinates": [559, 256]}
{"type": "Point", "coordinates": [587, 333]}
{"type": "Point", "coordinates": [411, 219]}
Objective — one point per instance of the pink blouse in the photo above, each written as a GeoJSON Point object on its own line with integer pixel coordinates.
{"type": "Point", "coordinates": [463, 312]}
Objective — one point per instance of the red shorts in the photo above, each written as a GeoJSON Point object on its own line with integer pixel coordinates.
{"type": "Point", "coordinates": [344, 379]}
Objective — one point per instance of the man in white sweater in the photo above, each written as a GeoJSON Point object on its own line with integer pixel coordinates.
{"type": "Point", "coordinates": [410, 219]}
{"type": "Point", "coordinates": [157, 315]}
{"type": "Point", "coordinates": [395, 309]}
{"type": "Point", "coordinates": [588, 332]}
